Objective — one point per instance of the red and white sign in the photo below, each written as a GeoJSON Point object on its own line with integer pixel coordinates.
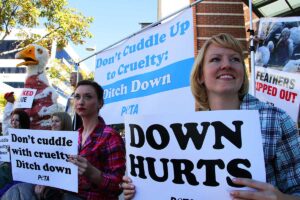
{"type": "Point", "coordinates": [26, 98]}
{"type": "Point", "coordinates": [279, 88]}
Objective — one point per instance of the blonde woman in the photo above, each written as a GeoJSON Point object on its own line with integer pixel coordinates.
{"type": "Point", "coordinates": [219, 82]}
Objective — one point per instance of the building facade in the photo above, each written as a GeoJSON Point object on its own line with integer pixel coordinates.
{"type": "Point", "coordinates": [229, 16]}
{"type": "Point", "coordinates": [12, 78]}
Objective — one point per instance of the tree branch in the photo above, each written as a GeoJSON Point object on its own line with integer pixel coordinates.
{"type": "Point", "coordinates": [6, 23]}
{"type": "Point", "coordinates": [18, 49]}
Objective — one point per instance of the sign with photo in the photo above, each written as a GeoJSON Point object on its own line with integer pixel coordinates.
{"type": "Point", "coordinates": [277, 64]}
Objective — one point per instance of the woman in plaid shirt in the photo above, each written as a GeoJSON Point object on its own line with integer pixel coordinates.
{"type": "Point", "coordinates": [219, 82]}
{"type": "Point", "coordinates": [101, 159]}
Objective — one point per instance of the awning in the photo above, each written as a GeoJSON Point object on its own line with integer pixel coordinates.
{"type": "Point", "coordinates": [275, 8]}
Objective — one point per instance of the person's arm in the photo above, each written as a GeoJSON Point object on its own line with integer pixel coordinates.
{"type": "Point", "coordinates": [86, 168]}
{"type": "Point", "coordinates": [110, 179]}
{"type": "Point", "coordinates": [263, 191]}
{"type": "Point", "coordinates": [116, 164]}
{"type": "Point", "coordinates": [6, 117]}
{"type": "Point", "coordinates": [286, 164]}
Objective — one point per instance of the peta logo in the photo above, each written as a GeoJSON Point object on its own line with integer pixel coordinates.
{"type": "Point", "coordinates": [174, 198]}
{"type": "Point", "coordinates": [43, 178]}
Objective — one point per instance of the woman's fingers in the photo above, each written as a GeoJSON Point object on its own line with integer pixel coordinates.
{"type": "Point", "coordinates": [253, 184]}
{"type": "Point", "coordinates": [129, 191]}
{"type": "Point", "coordinates": [126, 179]}
{"type": "Point", "coordinates": [80, 162]}
{"type": "Point", "coordinates": [128, 188]}
{"type": "Point", "coordinates": [263, 191]}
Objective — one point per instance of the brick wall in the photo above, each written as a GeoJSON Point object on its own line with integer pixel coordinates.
{"type": "Point", "coordinates": [219, 16]}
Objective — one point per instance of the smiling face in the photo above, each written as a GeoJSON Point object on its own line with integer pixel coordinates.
{"type": "Point", "coordinates": [86, 101]}
{"type": "Point", "coordinates": [223, 71]}
{"type": "Point", "coordinates": [56, 124]}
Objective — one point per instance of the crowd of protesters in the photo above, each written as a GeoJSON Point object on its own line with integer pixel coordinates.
{"type": "Point", "coordinates": [218, 82]}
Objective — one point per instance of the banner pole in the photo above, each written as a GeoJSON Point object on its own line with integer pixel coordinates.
{"type": "Point", "coordinates": [77, 78]}
{"type": "Point", "coordinates": [252, 48]}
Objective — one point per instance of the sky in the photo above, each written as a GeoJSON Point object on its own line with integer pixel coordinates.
{"type": "Point", "coordinates": [113, 21]}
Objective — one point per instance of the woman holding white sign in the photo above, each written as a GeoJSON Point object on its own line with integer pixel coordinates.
{"type": "Point", "coordinates": [19, 119]}
{"type": "Point", "coordinates": [219, 82]}
{"type": "Point", "coordinates": [60, 121]}
{"type": "Point", "coordinates": [101, 159]}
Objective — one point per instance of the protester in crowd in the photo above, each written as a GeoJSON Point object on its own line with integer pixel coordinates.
{"type": "Point", "coordinates": [26, 191]}
{"type": "Point", "coordinates": [19, 120]}
{"type": "Point", "coordinates": [77, 122]}
{"type": "Point", "coordinates": [219, 82]}
{"type": "Point", "coordinates": [10, 99]}
{"type": "Point", "coordinates": [101, 159]}
{"type": "Point", "coordinates": [61, 121]}
{"type": "Point", "coordinates": [73, 78]}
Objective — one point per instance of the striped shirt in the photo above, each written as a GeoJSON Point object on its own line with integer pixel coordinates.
{"type": "Point", "coordinates": [280, 144]}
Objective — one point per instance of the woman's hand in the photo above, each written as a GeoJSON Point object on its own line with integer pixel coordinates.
{"type": "Point", "coordinates": [128, 188]}
{"type": "Point", "coordinates": [38, 190]}
{"type": "Point", "coordinates": [84, 166]}
{"type": "Point", "coordinates": [263, 191]}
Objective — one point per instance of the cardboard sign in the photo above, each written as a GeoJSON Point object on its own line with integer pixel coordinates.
{"type": "Point", "coordinates": [39, 157]}
{"type": "Point", "coordinates": [193, 156]}
{"type": "Point", "coordinates": [144, 72]}
{"type": "Point", "coordinates": [26, 98]}
{"type": "Point", "coordinates": [280, 89]}
{"type": "Point", "coordinates": [4, 148]}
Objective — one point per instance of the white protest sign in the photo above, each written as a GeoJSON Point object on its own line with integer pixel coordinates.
{"type": "Point", "coordinates": [143, 73]}
{"type": "Point", "coordinates": [39, 157]}
{"type": "Point", "coordinates": [4, 148]}
{"type": "Point", "coordinates": [26, 98]}
{"type": "Point", "coordinates": [193, 156]}
{"type": "Point", "coordinates": [279, 88]}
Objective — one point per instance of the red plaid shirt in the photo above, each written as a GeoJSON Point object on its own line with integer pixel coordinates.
{"type": "Point", "coordinates": [105, 150]}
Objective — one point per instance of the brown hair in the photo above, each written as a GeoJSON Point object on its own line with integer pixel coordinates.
{"type": "Point", "coordinates": [23, 118]}
{"type": "Point", "coordinates": [98, 89]}
{"type": "Point", "coordinates": [66, 121]}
